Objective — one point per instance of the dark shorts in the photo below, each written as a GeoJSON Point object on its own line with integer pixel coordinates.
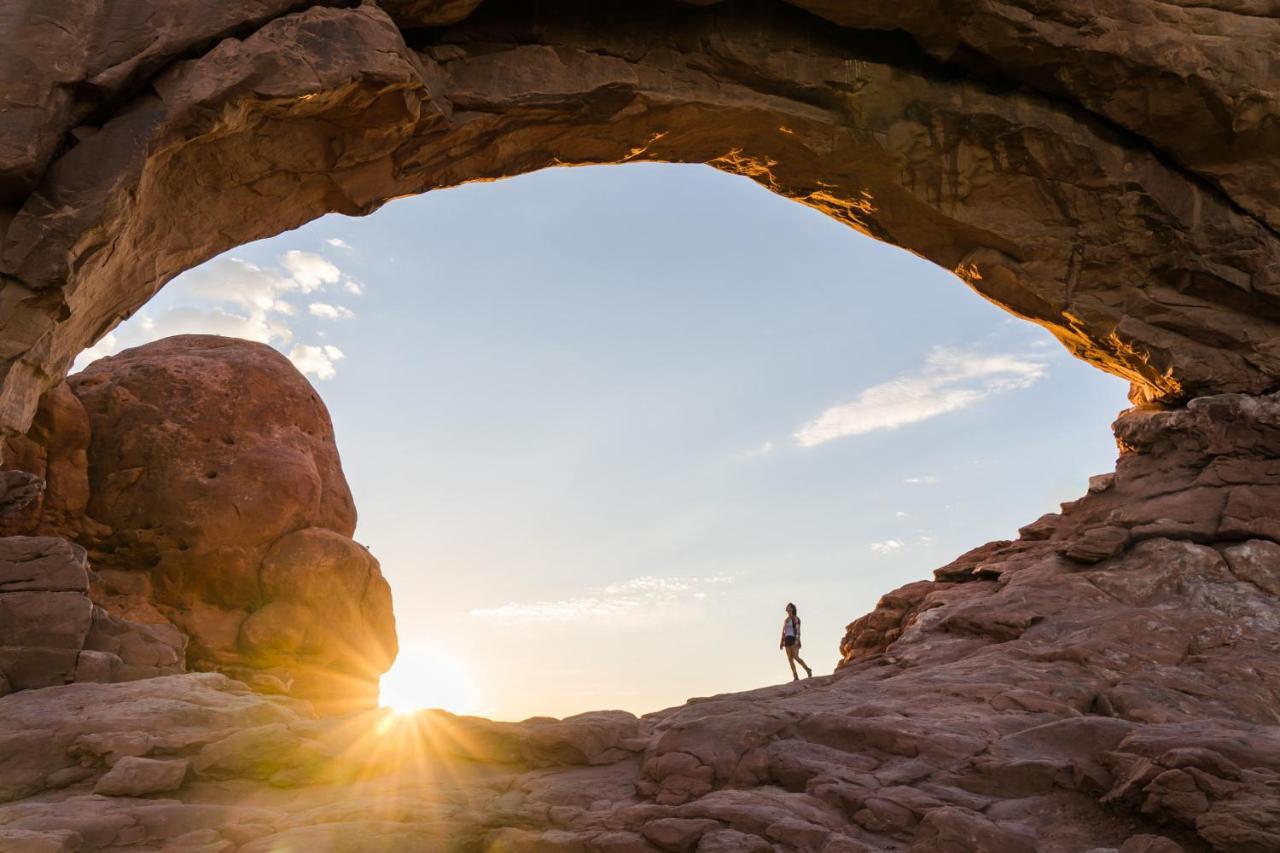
{"type": "Point", "coordinates": [788, 641]}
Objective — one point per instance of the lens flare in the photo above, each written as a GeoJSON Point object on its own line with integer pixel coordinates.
{"type": "Point", "coordinates": [427, 678]}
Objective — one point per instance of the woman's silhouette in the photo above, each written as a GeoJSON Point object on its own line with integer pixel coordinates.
{"type": "Point", "coordinates": [790, 642]}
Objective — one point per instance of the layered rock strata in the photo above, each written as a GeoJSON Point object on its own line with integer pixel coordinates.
{"type": "Point", "coordinates": [52, 633]}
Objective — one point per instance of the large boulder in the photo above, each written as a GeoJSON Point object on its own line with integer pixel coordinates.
{"type": "Point", "coordinates": [213, 462]}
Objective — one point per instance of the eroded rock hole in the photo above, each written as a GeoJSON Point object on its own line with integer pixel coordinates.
{"type": "Point", "coordinates": [764, 365]}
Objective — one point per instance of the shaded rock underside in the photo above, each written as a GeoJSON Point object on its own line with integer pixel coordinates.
{"type": "Point", "coordinates": [1105, 170]}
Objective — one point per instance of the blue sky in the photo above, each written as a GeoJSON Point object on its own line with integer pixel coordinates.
{"type": "Point", "coordinates": [602, 424]}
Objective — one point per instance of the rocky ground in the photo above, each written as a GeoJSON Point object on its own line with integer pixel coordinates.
{"type": "Point", "coordinates": [1109, 681]}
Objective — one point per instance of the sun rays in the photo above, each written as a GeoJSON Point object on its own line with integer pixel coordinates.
{"type": "Point", "coordinates": [427, 678]}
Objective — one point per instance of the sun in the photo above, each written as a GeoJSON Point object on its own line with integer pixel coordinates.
{"type": "Point", "coordinates": [424, 677]}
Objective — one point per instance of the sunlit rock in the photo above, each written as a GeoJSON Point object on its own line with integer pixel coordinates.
{"type": "Point", "coordinates": [132, 776]}
{"type": "Point", "coordinates": [213, 462]}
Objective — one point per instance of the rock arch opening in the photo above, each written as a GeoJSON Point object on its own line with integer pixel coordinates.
{"type": "Point", "coordinates": [523, 427]}
{"type": "Point", "coordinates": [1106, 680]}
{"type": "Point", "coordinates": [1092, 218]}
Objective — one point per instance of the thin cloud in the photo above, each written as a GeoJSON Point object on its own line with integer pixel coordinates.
{"type": "Point", "coordinates": [238, 299]}
{"type": "Point", "coordinates": [949, 381]}
{"type": "Point", "coordinates": [888, 546]}
{"type": "Point", "coordinates": [763, 449]}
{"type": "Point", "coordinates": [317, 361]}
{"type": "Point", "coordinates": [309, 270]}
{"type": "Point", "coordinates": [925, 480]}
{"type": "Point", "coordinates": [355, 288]}
{"type": "Point", "coordinates": [338, 243]}
{"type": "Point", "coordinates": [228, 297]}
{"type": "Point", "coordinates": [641, 597]}
{"type": "Point", "coordinates": [109, 344]}
{"type": "Point", "coordinates": [325, 311]}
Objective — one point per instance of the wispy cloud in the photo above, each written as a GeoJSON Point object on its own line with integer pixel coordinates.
{"type": "Point", "coordinates": [888, 546]}
{"type": "Point", "coordinates": [309, 270]}
{"type": "Point", "coordinates": [325, 311]}
{"type": "Point", "coordinates": [640, 597]}
{"type": "Point", "coordinates": [338, 243]}
{"type": "Point", "coordinates": [762, 449]}
{"type": "Point", "coordinates": [949, 381]}
{"type": "Point", "coordinates": [239, 299]}
{"type": "Point", "coordinates": [923, 480]}
{"type": "Point", "coordinates": [317, 361]}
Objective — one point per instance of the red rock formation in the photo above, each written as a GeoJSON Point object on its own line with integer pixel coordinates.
{"type": "Point", "coordinates": [1106, 169]}
{"type": "Point", "coordinates": [213, 462]}
{"type": "Point", "coordinates": [52, 633]}
{"type": "Point", "coordinates": [55, 450]}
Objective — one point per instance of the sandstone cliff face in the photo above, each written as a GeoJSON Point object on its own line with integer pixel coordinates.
{"type": "Point", "coordinates": [52, 633]}
{"type": "Point", "coordinates": [201, 472]}
{"type": "Point", "coordinates": [1204, 476]}
{"type": "Point", "coordinates": [55, 449]}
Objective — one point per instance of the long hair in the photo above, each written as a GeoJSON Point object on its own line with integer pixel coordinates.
{"type": "Point", "coordinates": [791, 608]}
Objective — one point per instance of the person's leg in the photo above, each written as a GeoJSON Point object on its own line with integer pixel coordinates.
{"type": "Point", "coordinates": [797, 659]}
{"type": "Point", "coordinates": [791, 659]}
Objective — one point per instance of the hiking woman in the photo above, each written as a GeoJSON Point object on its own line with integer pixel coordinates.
{"type": "Point", "coordinates": [790, 642]}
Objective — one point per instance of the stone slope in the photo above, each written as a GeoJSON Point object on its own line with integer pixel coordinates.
{"type": "Point", "coordinates": [1079, 689]}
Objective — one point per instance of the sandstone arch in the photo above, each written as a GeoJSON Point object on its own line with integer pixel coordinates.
{"type": "Point", "coordinates": [1103, 173]}
{"type": "Point", "coordinates": [1106, 168]}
